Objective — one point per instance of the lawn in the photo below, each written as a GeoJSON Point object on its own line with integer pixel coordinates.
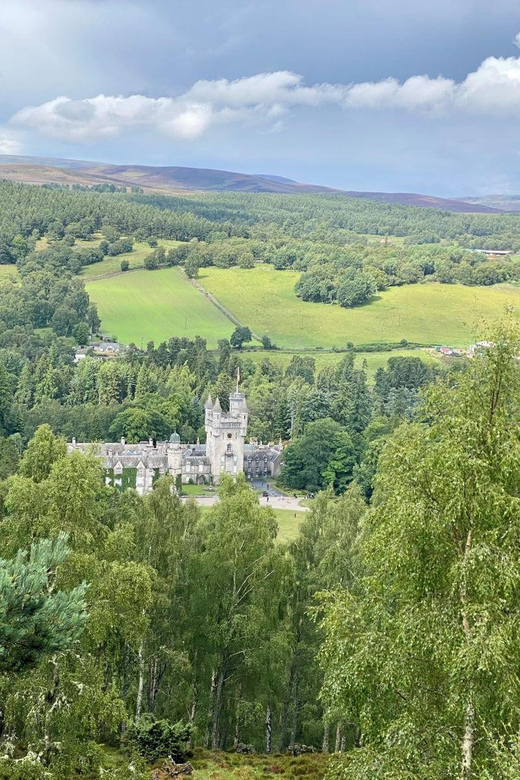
{"type": "Point", "coordinates": [289, 521]}
{"type": "Point", "coordinates": [370, 361]}
{"type": "Point", "coordinates": [195, 490]}
{"type": "Point", "coordinates": [264, 299]}
{"type": "Point", "coordinates": [147, 306]}
{"type": "Point", "coordinates": [113, 264]}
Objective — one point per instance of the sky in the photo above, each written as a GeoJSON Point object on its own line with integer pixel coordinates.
{"type": "Point", "coordinates": [389, 95]}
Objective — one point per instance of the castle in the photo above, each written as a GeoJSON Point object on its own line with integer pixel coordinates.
{"type": "Point", "coordinates": [225, 452]}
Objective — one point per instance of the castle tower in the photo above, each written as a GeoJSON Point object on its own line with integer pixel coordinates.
{"type": "Point", "coordinates": [225, 435]}
{"type": "Point", "coordinates": [174, 454]}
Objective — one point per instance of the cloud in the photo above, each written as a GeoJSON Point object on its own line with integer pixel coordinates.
{"type": "Point", "coordinates": [9, 143]}
{"type": "Point", "coordinates": [258, 99]}
{"type": "Point", "coordinates": [266, 98]}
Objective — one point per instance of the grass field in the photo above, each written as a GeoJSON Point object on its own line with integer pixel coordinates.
{"type": "Point", "coordinates": [288, 524]}
{"type": "Point", "coordinates": [113, 264]}
{"type": "Point", "coordinates": [153, 306]}
{"type": "Point", "coordinates": [370, 361]}
{"type": "Point", "coordinates": [264, 299]}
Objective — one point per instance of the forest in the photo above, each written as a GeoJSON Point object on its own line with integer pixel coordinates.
{"type": "Point", "coordinates": [384, 635]}
{"type": "Point", "coordinates": [323, 237]}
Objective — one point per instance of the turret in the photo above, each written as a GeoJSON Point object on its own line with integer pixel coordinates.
{"type": "Point", "coordinates": [237, 404]}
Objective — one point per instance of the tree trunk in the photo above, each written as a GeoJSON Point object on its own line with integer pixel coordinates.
{"type": "Point", "coordinates": [326, 738]}
{"type": "Point", "coordinates": [468, 739]}
{"type": "Point", "coordinates": [236, 738]}
{"type": "Point", "coordinates": [296, 708]}
{"type": "Point", "coordinates": [140, 685]}
{"type": "Point", "coordinates": [268, 728]}
{"type": "Point", "coordinates": [210, 708]}
{"type": "Point", "coordinates": [216, 709]}
{"type": "Point", "coordinates": [284, 714]}
{"type": "Point", "coordinates": [194, 701]}
{"type": "Point", "coordinates": [337, 745]}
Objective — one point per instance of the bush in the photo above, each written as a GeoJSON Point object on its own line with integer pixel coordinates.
{"type": "Point", "coordinates": [245, 749]}
{"type": "Point", "coordinates": [125, 265]}
{"type": "Point", "coordinates": [155, 739]}
{"type": "Point", "coordinates": [297, 749]}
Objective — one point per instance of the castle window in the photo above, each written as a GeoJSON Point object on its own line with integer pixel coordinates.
{"type": "Point", "coordinates": [229, 448]}
{"type": "Point", "coordinates": [229, 435]}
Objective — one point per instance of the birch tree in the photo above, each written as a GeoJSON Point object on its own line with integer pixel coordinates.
{"type": "Point", "coordinates": [422, 652]}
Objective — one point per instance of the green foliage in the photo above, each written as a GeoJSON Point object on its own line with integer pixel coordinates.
{"type": "Point", "coordinates": [43, 451]}
{"type": "Point", "coordinates": [324, 454]}
{"type": "Point", "coordinates": [138, 425]}
{"type": "Point", "coordinates": [240, 336]}
{"type": "Point", "coordinates": [36, 619]}
{"type": "Point", "coordinates": [153, 739]}
{"type": "Point", "coordinates": [422, 652]}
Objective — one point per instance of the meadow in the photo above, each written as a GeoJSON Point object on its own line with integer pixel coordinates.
{"type": "Point", "coordinates": [147, 306]}
{"type": "Point", "coordinates": [264, 299]}
{"type": "Point", "coordinates": [369, 361]}
{"type": "Point", "coordinates": [111, 265]}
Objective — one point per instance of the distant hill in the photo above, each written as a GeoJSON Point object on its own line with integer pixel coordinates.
{"type": "Point", "coordinates": [174, 179]}
{"type": "Point", "coordinates": [502, 202]}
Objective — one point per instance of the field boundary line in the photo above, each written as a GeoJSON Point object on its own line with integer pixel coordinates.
{"type": "Point", "coordinates": [110, 274]}
{"type": "Point", "coordinates": [217, 303]}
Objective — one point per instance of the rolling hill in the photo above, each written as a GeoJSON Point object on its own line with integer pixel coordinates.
{"type": "Point", "coordinates": [176, 179]}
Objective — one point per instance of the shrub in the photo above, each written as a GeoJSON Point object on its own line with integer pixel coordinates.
{"type": "Point", "coordinates": [297, 749]}
{"type": "Point", "coordinates": [245, 749]}
{"type": "Point", "coordinates": [155, 739]}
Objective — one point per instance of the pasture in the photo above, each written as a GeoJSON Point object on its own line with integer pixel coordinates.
{"type": "Point", "coordinates": [264, 299]}
{"type": "Point", "coordinates": [111, 265]}
{"type": "Point", "coordinates": [147, 306]}
{"type": "Point", "coordinates": [369, 361]}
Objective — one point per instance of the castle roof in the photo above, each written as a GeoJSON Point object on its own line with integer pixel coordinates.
{"type": "Point", "coordinates": [217, 407]}
{"type": "Point", "coordinates": [209, 402]}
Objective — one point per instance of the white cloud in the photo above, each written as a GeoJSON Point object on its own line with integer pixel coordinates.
{"type": "Point", "coordinates": [9, 143]}
{"type": "Point", "coordinates": [262, 98]}
{"type": "Point", "coordinates": [265, 98]}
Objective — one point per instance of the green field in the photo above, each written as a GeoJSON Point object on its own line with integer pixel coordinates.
{"type": "Point", "coordinates": [147, 306]}
{"type": "Point", "coordinates": [112, 265]}
{"type": "Point", "coordinates": [370, 361]}
{"type": "Point", "coordinates": [264, 299]}
{"type": "Point", "coordinates": [288, 524]}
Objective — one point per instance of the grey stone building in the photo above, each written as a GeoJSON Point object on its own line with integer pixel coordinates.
{"type": "Point", "coordinates": [225, 452]}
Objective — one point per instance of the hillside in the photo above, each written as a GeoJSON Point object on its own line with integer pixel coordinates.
{"type": "Point", "coordinates": [171, 179]}
{"type": "Point", "coordinates": [502, 202]}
